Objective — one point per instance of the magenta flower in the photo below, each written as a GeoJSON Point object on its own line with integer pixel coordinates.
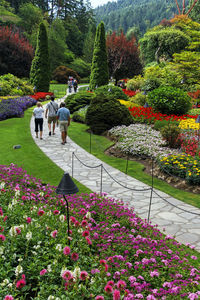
{"type": "Point", "coordinates": [154, 273]}
{"type": "Point", "coordinates": [54, 233]}
{"type": "Point", "coordinates": [83, 275]}
{"type": "Point", "coordinates": [2, 237]}
{"type": "Point", "coordinates": [121, 284]}
{"type": "Point", "coordinates": [42, 272]}
{"type": "Point", "coordinates": [66, 250]}
{"type": "Point", "coordinates": [108, 289]}
{"type": "Point", "coordinates": [83, 211]}
{"type": "Point", "coordinates": [84, 223]}
{"type": "Point", "coordinates": [56, 212]}
{"type": "Point", "coordinates": [67, 275]}
{"type": "Point", "coordinates": [18, 230]}
{"type": "Point", "coordinates": [40, 212]}
{"type": "Point", "coordinates": [20, 283]}
{"type": "Point", "coordinates": [74, 256]}
{"type": "Point", "coordinates": [88, 240]}
{"type": "Point", "coordinates": [116, 295]}
{"type": "Point", "coordinates": [99, 298]}
{"type": "Point", "coordinates": [28, 220]}
{"type": "Point", "coordinates": [193, 257]}
{"type": "Point", "coordinates": [86, 233]}
{"type": "Point", "coordinates": [8, 297]}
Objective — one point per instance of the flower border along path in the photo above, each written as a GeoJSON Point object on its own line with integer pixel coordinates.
{"type": "Point", "coordinates": [182, 222]}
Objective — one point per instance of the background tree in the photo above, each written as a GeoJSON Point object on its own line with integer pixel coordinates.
{"type": "Point", "coordinates": [99, 71]}
{"type": "Point", "coordinates": [40, 68]}
{"type": "Point", "coordinates": [195, 13]}
{"type": "Point", "coordinates": [16, 53]}
{"type": "Point", "coordinates": [123, 56]}
{"type": "Point", "coordinates": [88, 46]}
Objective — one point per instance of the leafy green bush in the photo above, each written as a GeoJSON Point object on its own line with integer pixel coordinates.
{"type": "Point", "coordinates": [159, 124]}
{"type": "Point", "coordinates": [135, 83]}
{"type": "Point", "coordinates": [78, 100]}
{"type": "Point", "coordinates": [62, 73]}
{"type": "Point", "coordinates": [169, 100]}
{"type": "Point", "coordinates": [150, 84]}
{"type": "Point", "coordinates": [12, 85]}
{"type": "Point", "coordinates": [105, 112]}
{"type": "Point", "coordinates": [171, 134]}
{"type": "Point", "coordinates": [139, 98]}
{"type": "Point", "coordinates": [79, 116]}
{"type": "Point", "coordinates": [81, 67]}
{"type": "Point", "coordinates": [194, 111]}
{"type": "Point", "coordinates": [113, 90]}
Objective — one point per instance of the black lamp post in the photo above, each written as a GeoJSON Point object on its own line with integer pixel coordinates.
{"type": "Point", "coordinates": [67, 187]}
{"type": "Point", "coordinates": [146, 105]}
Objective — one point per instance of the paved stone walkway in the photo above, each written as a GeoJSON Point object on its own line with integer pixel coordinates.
{"type": "Point", "coordinates": [185, 226]}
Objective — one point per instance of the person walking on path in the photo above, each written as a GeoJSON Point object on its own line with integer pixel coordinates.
{"type": "Point", "coordinates": [51, 110]}
{"type": "Point", "coordinates": [63, 116]}
{"type": "Point", "coordinates": [75, 85]}
{"type": "Point", "coordinates": [38, 114]}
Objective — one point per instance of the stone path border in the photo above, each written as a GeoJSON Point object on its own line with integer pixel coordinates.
{"type": "Point", "coordinates": [185, 226]}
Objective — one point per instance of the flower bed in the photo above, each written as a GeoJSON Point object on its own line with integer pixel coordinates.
{"type": "Point", "coordinates": [129, 93]}
{"type": "Point", "coordinates": [106, 259]}
{"type": "Point", "coordinates": [142, 114]}
{"type": "Point", "coordinates": [15, 107]}
{"type": "Point", "coordinates": [41, 95]}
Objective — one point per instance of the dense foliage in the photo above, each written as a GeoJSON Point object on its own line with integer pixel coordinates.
{"type": "Point", "coordinates": [78, 100]}
{"type": "Point", "coordinates": [61, 74]}
{"type": "Point", "coordinates": [115, 91]}
{"type": "Point", "coordinates": [40, 68]}
{"type": "Point", "coordinates": [99, 70]}
{"type": "Point", "coordinates": [12, 85]}
{"type": "Point", "coordinates": [106, 259]}
{"type": "Point", "coordinates": [106, 112]}
{"type": "Point", "coordinates": [169, 100]}
{"type": "Point", "coordinates": [15, 51]}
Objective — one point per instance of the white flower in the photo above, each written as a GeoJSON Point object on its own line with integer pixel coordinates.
{"type": "Point", "coordinates": [77, 272]}
{"type": "Point", "coordinates": [49, 268]}
{"type": "Point", "coordinates": [88, 215]}
{"type": "Point", "coordinates": [1, 250]}
{"type": "Point", "coordinates": [92, 281]}
{"type": "Point", "coordinates": [59, 247]}
{"type": "Point", "coordinates": [80, 230]}
{"type": "Point", "coordinates": [55, 262]}
{"type": "Point", "coordinates": [2, 185]}
{"type": "Point", "coordinates": [51, 298]}
{"type": "Point", "coordinates": [14, 255]}
{"type": "Point", "coordinates": [20, 259]}
{"type": "Point", "coordinates": [49, 213]}
{"type": "Point", "coordinates": [5, 282]}
{"type": "Point", "coordinates": [29, 235]}
{"type": "Point", "coordinates": [41, 194]}
{"type": "Point", "coordinates": [62, 218]}
{"type": "Point", "coordinates": [18, 270]}
{"type": "Point", "coordinates": [10, 206]}
{"type": "Point", "coordinates": [17, 193]}
{"type": "Point", "coordinates": [10, 285]}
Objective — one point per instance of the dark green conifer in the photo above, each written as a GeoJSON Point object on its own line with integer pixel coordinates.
{"type": "Point", "coordinates": [99, 71]}
{"type": "Point", "coordinates": [40, 68]}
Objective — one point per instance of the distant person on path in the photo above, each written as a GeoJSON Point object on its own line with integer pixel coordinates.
{"type": "Point", "coordinates": [63, 116]}
{"type": "Point", "coordinates": [51, 110]}
{"type": "Point", "coordinates": [75, 85]}
{"type": "Point", "coordinates": [38, 114]}
{"type": "Point", "coordinates": [70, 86]}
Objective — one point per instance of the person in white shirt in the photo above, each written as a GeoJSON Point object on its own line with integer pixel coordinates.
{"type": "Point", "coordinates": [38, 114]}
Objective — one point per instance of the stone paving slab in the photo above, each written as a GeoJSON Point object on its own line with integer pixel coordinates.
{"type": "Point", "coordinates": [184, 225]}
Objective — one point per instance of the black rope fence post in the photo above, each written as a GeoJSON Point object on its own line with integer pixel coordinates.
{"type": "Point", "coordinates": [68, 230]}
{"type": "Point", "coordinates": [101, 182]}
{"type": "Point", "coordinates": [152, 166]}
{"type": "Point", "coordinates": [72, 164]}
{"type": "Point", "coordinates": [127, 159]}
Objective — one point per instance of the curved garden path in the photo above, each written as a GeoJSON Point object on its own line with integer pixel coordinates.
{"type": "Point", "coordinates": [182, 221]}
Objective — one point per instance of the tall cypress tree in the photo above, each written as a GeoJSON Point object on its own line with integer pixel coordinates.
{"type": "Point", "coordinates": [40, 68]}
{"type": "Point", "coordinates": [99, 71]}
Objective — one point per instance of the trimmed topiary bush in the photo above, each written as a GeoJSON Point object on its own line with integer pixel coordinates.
{"type": "Point", "coordinates": [105, 112]}
{"type": "Point", "coordinates": [12, 85]}
{"type": "Point", "coordinates": [169, 100]}
{"type": "Point", "coordinates": [135, 83]}
{"type": "Point", "coordinates": [62, 73]}
{"type": "Point", "coordinates": [113, 90]}
{"type": "Point", "coordinates": [78, 100]}
{"type": "Point", "coordinates": [139, 98]}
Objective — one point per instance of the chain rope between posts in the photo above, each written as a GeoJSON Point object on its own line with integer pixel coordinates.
{"type": "Point", "coordinates": [132, 189]}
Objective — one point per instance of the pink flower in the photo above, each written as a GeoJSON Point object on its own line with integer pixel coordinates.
{"type": "Point", "coordinates": [88, 240]}
{"type": "Point", "coordinates": [110, 282]}
{"type": "Point", "coordinates": [116, 295]}
{"type": "Point", "coordinates": [76, 223]}
{"type": "Point", "coordinates": [74, 256]}
{"type": "Point", "coordinates": [8, 297]}
{"type": "Point", "coordinates": [99, 298]}
{"type": "Point", "coordinates": [67, 275]}
{"type": "Point", "coordinates": [154, 273]}
{"type": "Point", "coordinates": [28, 220]}
{"type": "Point", "coordinates": [83, 275]}
{"type": "Point", "coordinates": [151, 297]}
{"type": "Point", "coordinates": [66, 250]}
{"type": "Point", "coordinates": [54, 233]}
{"type": "Point", "coordinates": [56, 212]}
{"type": "Point", "coordinates": [102, 261]}
{"type": "Point", "coordinates": [18, 230]}
{"type": "Point", "coordinates": [42, 272]}
{"type": "Point", "coordinates": [193, 257]}
{"type": "Point", "coordinates": [20, 283]}
{"type": "Point", "coordinates": [72, 219]}
{"type": "Point", "coordinates": [83, 211]}
{"type": "Point", "coordinates": [86, 233]}
{"type": "Point", "coordinates": [84, 223]}
{"type": "Point", "coordinates": [40, 212]}
{"type": "Point", "coordinates": [2, 237]}
{"type": "Point", "coordinates": [121, 284]}
{"type": "Point", "coordinates": [108, 289]}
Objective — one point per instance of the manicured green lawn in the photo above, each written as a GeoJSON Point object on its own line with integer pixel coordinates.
{"type": "Point", "coordinates": [99, 144]}
{"type": "Point", "coordinates": [16, 131]}
{"type": "Point", "coordinates": [59, 90]}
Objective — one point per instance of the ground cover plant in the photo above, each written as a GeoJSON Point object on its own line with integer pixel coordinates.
{"type": "Point", "coordinates": [106, 259]}
{"type": "Point", "coordinates": [12, 85]}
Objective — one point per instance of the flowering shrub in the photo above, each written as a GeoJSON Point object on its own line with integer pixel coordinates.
{"type": "Point", "coordinates": [15, 107]}
{"type": "Point", "coordinates": [182, 165]}
{"type": "Point", "coordinates": [138, 139]}
{"type": "Point", "coordinates": [106, 259]}
{"type": "Point", "coordinates": [129, 93]}
{"type": "Point", "coordinates": [189, 124]}
{"type": "Point", "coordinates": [190, 143]}
{"type": "Point", "coordinates": [141, 114]}
{"type": "Point", "coordinates": [41, 95]}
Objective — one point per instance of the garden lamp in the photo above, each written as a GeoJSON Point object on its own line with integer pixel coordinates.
{"type": "Point", "coordinates": [67, 187]}
{"type": "Point", "coordinates": [146, 105]}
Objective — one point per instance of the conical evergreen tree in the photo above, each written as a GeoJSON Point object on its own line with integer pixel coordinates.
{"type": "Point", "coordinates": [40, 68]}
{"type": "Point", "coordinates": [99, 71]}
